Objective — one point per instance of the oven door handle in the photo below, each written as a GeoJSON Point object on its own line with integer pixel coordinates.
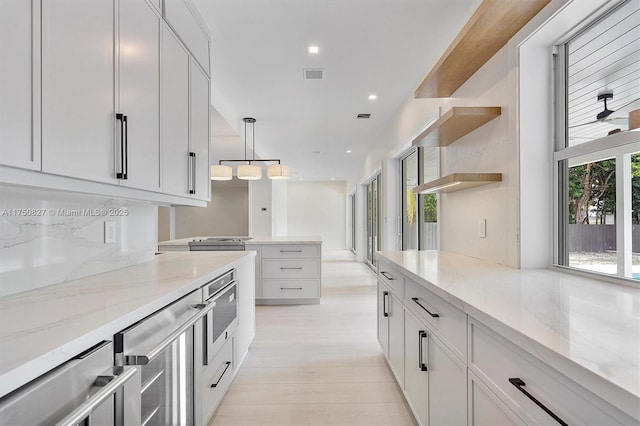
{"type": "Point", "coordinates": [107, 384]}
{"type": "Point", "coordinates": [203, 308]}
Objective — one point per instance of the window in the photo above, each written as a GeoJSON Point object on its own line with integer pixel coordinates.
{"type": "Point", "coordinates": [419, 212]}
{"type": "Point", "coordinates": [597, 158]}
{"type": "Point", "coordinates": [352, 206]}
{"type": "Point", "coordinates": [373, 221]}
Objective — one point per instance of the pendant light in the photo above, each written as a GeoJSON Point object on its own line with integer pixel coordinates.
{"type": "Point", "coordinates": [250, 171]}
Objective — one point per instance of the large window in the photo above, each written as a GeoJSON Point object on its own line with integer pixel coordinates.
{"type": "Point", "coordinates": [373, 219]}
{"type": "Point", "coordinates": [597, 157]}
{"type": "Point", "coordinates": [419, 212]}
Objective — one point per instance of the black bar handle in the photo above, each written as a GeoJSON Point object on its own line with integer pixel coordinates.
{"type": "Point", "coordinates": [520, 384]}
{"type": "Point", "coordinates": [122, 119]}
{"type": "Point", "coordinates": [290, 288]}
{"type": "Point", "coordinates": [385, 294]}
{"type": "Point", "coordinates": [387, 275]}
{"type": "Point", "coordinates": [283, 268]}
{"type": "Point", "coordinates": [222, 375]}
{"type": "Point", "coordinates": [421, 365]}
{"type": "Point", "coordinates": [192, 163]}
{"type": "Point", "coordinates": [126, 147]}
{"type": "Point", "coordinates": [290, 251]}
{"type": "Point", "coordinates": [415, 299]}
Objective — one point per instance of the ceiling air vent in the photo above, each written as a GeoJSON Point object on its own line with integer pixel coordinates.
{"type": "Point", "coordinates": [364, 115]}
{"type": "Point", "coordinates": [313, 73]}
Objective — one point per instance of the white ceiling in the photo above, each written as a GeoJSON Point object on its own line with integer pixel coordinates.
{"type": "Point", "coordinates": [259, 50]}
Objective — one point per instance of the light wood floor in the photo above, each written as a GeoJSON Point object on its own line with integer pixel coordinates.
{"type": "Point", "coordinates": [318, 364]}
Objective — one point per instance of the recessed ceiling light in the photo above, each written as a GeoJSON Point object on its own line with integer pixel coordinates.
{"type": "Point", "coordinates": [313, 49]}
{"type": "Point", "coordinates": [348, 151]}
{"type": "Point", "coordinates": [373, 97]}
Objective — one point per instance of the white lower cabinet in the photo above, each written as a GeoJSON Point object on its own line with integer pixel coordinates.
{"type": "Point", "coordinates": [435, 381]}
{"type": "Point", "coordinates": [485, 408]}
{"type": "Point", "coordinates": [391, 330]}
{"type": "Point", "coordinates": [216, 379]}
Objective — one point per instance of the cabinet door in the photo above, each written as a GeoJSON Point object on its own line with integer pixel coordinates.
{"type": "Point", "coordinates": [139, 91]}
{"type": "Point", "coordinates": [19, 146]}
{"type": "Point", "coordinates": [485, 408]}
{"type": "Point", "coordinates": [415, 362]}
{"type": "Point", "coordinates": [383, 319]}
{"type": "Point", "coordinates": [175, 115]}
{"type": "Point", "coordinates": [447, 385]}
{"type": "Point", "coordinates": [78, 117]}
{"type": "Point", "coordinates": [396, 338]}
{"type": "Point", "coordinates": [199, 135]}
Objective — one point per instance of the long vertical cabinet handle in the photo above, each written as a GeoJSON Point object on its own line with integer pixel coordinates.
{"type": "Point", "coordinates": [124, 146]}
{"type": "Point", "coordinates": [385, 295]}
{"type": "Point", "coordinates": [192, 164]}
{"type": "Point", "coordinates": [421, 335]}
{"type": "Point", "coordinates": [520, 384]}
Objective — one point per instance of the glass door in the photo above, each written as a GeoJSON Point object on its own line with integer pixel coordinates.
{"type": "Point", "coordinates": [373, 219]}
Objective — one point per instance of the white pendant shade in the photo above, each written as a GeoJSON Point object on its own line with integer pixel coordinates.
{"type": "Point", "coordinates": [249, 172]}
{"type": "Point", "coordinates": [278, 172]}
{"type": "Point", "coordinates": [219, 172]}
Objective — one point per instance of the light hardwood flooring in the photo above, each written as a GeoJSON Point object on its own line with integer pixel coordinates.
{"type": "Point", "coordinates": [318, 364]}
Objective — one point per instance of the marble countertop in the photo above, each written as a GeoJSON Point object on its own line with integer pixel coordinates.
{"type": "Point", "coordinates": [40, 329]}
{"type": "Point", "coordinates": [254, 240]}
{"type": "Point", "coordinates": [587, 329]}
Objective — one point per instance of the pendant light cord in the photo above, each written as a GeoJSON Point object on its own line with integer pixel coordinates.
{"type": "Point", "coordinates": [245, 141]}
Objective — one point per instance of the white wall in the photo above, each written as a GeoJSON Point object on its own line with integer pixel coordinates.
{"type": "Point", "coordinates": [317, 208]}
{"type": "Point", "coordinates": [67, 241]}
{"type": "Point", "coordinates": [226, 214]}
{"type": "Point", "coordinates": [279, 210]}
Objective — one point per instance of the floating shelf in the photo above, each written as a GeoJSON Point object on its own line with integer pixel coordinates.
{"type": "Point", "coordinates": [454, 124]}
{"type": "Point", "coordinates": [487, 31]}
{"type": "Point", "coordinates": [457, 182]}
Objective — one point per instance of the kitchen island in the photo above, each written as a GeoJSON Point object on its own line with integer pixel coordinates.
{"type": "Point", "coordinates": [288, 268]}
{"type": "Point", "coordinates": [571, 342]}
{"type": "Point", "coordinates": [43, 328]}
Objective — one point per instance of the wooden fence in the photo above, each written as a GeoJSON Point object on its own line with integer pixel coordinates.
{"type": "Point", "coordinates": [598, 238]}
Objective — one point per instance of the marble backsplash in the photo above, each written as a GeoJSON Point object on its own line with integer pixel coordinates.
{"type": "Point", "coordinates": [47, 237]}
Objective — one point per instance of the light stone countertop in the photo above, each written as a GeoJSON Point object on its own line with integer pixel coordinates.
{"type": "Point", "coordinates": [40, 329]}
{"type": "Point", "coordinates": [587, 329]}
{"type": "Point", "coordinates": [255, 240]}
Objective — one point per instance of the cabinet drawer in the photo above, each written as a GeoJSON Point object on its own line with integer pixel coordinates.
{"type": "Point", "coordinates": [449, 323]}
{"type": "Point", "coordinates": [290, 251]}
{"type": "Point", "coordinates": [390, 276]}
{"type": "Point", "coordinates": [216, 378]}
{"type": "Point", "coordinates": [290, 289]}
{"type": "Point", "coordinates": [185, 24]}
{"type": "Point", "coordinates": [302, 268]}
{"type": "Point", "coordinates": [499, 363]}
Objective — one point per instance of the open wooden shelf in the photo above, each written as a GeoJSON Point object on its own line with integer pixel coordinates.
{"type": "Point", "coordinates": [457, 182]}
{"type": "Point", "coordinates": [486, 32]}
{"type": "Point", "coordinates": [454, 124]}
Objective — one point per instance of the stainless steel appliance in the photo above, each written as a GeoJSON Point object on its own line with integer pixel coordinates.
{"type": "Point", "coordinates": [221, 321]}
{"type": "Point", "coordinates": [219, 243]}
{"type": "Point", "coordinates": [86, 390]}
{"type": "Point", "coordinates": [167, 349]}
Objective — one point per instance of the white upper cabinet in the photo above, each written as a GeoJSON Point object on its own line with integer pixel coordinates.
{"type": "Point", "coordinates": [19, 58]}
{"type": "Point", "coordinates": [199, 131]}
{"type": "Point", "coordinates": [176, 162]}
{"type": "Point", "coordinates": [186, 25]}
{"type": "Point", "coordinates": [139, 92]}
{"type": "Point", "coordinates": [78, 89]}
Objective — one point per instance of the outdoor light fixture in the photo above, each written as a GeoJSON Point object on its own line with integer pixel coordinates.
{"type": "Point", "coordinates": [250, 171]}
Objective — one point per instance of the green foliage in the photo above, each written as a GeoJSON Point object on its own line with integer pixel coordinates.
{"type": "Point", "coordinates": [430, 206]}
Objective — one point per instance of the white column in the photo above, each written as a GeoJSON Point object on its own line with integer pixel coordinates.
{"type": "Point", "coordinates": [623, 214]}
